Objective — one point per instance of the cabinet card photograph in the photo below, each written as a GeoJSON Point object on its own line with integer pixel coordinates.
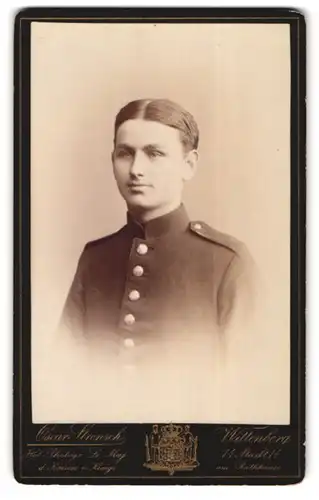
{"type": "Point", "coordinates": [161, 232]}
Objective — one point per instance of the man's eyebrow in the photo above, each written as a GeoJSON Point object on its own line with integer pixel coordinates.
{"type": "Point", "coordinates": [153, 146]}
{"type": "Point", "coordinates": [123, 145]}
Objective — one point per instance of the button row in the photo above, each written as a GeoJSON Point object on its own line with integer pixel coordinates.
{"type": "Point", "coordinates": [129, 319]}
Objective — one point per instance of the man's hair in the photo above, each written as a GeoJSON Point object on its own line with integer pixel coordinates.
{"type": "Point", "coordinates": [162, 111]}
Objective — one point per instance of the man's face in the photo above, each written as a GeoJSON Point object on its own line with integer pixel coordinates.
{"type": "Point", "coordinates": [150, 165]}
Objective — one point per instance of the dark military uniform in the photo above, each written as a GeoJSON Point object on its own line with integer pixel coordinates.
{"type": "Point", "coordinates": [159, 298]}
{"type": "Point", "coordinates": [145, 283]}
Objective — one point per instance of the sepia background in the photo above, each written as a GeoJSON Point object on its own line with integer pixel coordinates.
{"type": "Point", "coordinates": [235, 80]}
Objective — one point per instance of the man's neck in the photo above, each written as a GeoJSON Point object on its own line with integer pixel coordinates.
{"type": "Point", "coordinates": [145, 215]}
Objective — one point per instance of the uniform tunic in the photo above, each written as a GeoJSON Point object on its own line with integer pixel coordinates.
{"type": "Point", "coordinates": [160, 297]}
{"type": "Point", "coordinates": [146, 280]}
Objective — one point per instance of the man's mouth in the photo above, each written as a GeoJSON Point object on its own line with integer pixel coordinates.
{"type": "Point", "coordinates": [137, 185]}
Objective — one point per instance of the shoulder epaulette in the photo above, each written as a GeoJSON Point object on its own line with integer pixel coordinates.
{"type": "Point", "coordinates": [205, 231]}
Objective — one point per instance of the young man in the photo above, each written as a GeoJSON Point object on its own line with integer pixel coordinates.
{"type": "Point", "coordinates": [163, 290]}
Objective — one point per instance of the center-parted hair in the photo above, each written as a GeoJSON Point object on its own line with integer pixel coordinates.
{"type": "Point", "coordinates": [165, 112]}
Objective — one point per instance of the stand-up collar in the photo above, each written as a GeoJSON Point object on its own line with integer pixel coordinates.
{"type": "Point", "coordinates": [173, 222]}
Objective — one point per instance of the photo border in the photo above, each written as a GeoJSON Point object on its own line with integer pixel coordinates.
{"type": "Point", "coordinates": [25, 433]}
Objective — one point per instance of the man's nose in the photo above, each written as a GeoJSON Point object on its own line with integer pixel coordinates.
{"type": "Point", "coordinates": [138, 165]}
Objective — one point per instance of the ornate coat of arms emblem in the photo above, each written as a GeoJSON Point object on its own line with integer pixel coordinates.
{"type": "Point", "coordinates": [170, 448]}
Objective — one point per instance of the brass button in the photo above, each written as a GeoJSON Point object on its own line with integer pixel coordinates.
{"type": "Point", "coordinates": [142, 249]}
{"type": "Point", "coordinates": [138, 271]}
{"type": "Point", "coordinates": [129, 319]}
{"type": "Point", "coordinates": [129, 342]}
{"type": "Point", "coordinates": [134, 295]}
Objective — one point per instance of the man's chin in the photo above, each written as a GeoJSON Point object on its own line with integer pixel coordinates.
{"type": "Point", "coordinates": [139, 201]}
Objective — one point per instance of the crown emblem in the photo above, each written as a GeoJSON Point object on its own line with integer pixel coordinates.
{"type": "Point", "coordinates": [170, 448]}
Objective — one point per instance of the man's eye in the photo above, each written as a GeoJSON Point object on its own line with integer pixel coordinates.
{"type": "Point", "coordinates": [123, 153]}
{"type": "Point", "coordinates": [155, 154]}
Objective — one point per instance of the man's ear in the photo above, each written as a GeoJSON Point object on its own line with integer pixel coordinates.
{"type": "Point", "coordinates": [191, 160]}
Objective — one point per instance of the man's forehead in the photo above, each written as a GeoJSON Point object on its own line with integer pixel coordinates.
{"type": "Point", "coordinates": [141, 133]}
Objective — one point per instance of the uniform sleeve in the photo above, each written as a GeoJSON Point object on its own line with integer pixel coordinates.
{"type": "Point", "coordinates": [241, 340]}
{"type": "Point", "coordinates": [73, 314]}
{"type": "Point", "coordinates": [235, 298]}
